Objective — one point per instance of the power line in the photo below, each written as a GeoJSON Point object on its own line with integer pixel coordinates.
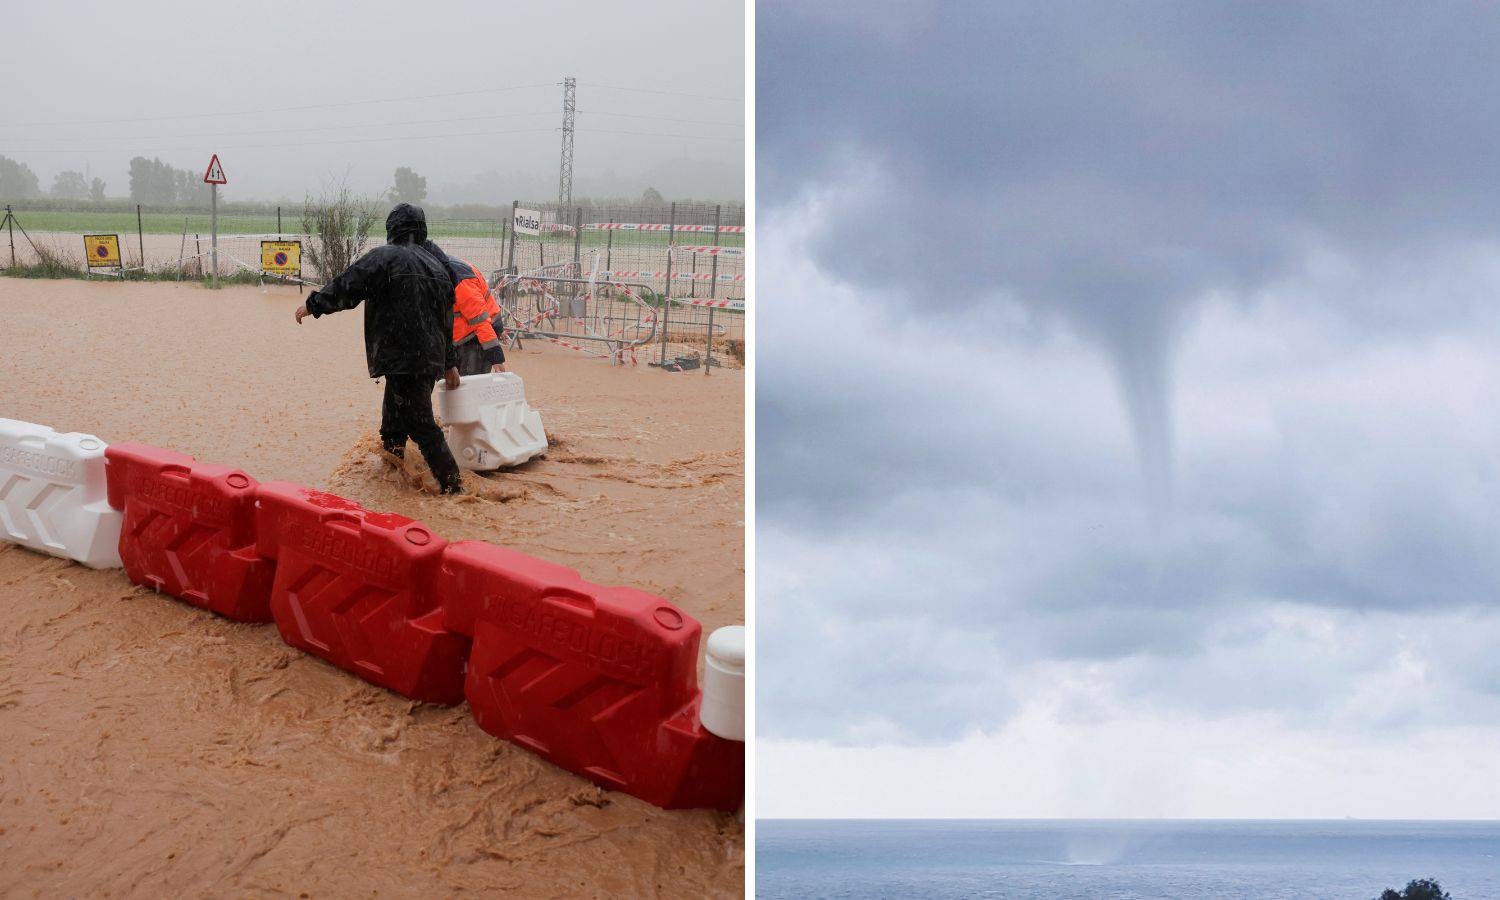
{"type": "Point", "coordinates": [615, 87]}
{"type": "Point", "coordinates": [446, 121]}
{"type": "Point", "coordinates": [419, 137]}
{"type": "Point", "coordinates": [691, 137]}
{"type": "Point", "coordinates": [282, 109]}
{"type": "Point", "coordinates": [215, 134]}
{"type": "Point", "coordinates": [592, 112]}
{"type": "Point", "coordinates": [377, 140]}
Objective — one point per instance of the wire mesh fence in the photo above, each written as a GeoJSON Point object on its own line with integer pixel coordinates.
{"type": "Point", "coordinates": [690, 258]}
{"type": "Point", "coordinates": [636, 241]}
{"type": "Point", "coordinates": [577, 313]}
{"type": "Point", "coordinates": [627, 322]}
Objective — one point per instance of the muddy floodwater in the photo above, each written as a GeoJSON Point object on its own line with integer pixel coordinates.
{"type": "Point", "coordinates": [148, 748]}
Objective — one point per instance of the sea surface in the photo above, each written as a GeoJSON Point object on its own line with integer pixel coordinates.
{"type": "Point", "coordinates": [1263, 860]}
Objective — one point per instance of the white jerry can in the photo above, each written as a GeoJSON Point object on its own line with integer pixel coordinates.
{"type": "Point", "coordinates": [488, 422]}
{"type": "Point", "coordinates": [53, 494]}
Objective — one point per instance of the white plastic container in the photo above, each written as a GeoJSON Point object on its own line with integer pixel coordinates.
{"type": "Point", "coordinates": [53, 495]}
{"type": "Point", "coordinates": [723, 711]}
{"type": "Point", "coordinates": [488, 422]}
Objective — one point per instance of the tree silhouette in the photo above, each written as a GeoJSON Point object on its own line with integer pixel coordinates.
{"type": "Point", "coordinates": [652, 195]}
{"type": "Point", "coordinates": [17, 181]}
{"type": "Point", "coordinates": [153, 181]}
{"type": "Point", "coordinates": [1419, 889]}
{"type": "Point", "coordinates": [409, 188]}
{"type": "Point", "coordinates": [69, 185]}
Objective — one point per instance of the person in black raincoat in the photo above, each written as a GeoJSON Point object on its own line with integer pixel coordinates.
{"type": "Point", "coordinates": [408, 298]}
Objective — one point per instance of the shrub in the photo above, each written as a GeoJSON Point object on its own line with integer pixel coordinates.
{"type": "Point", "coordinates": [337, 225]}
{"type": "Point", "coordinates": [1419, 889]}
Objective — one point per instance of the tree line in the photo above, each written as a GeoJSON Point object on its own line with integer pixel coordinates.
{"type": "Point", "coordinates": [18, 182]}
{"type": "Point", "coordinates": [158, 183]}
{"type": "Point", "coordinates": [151, 181]}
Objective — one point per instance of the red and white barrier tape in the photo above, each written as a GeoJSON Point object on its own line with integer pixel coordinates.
{"type": "Point", "coordinates": [570, 346]}
{"type": "Point", "coordinates": [660, 226]}
{"type": "Point", "coordinates": [716, 304]}
{"type": "Point", "coordinates": [550, 312]}
{"type": "Point", "coordinates": [676, 276]}
{"type": "Point", "coordinates": [710, 250]}
{"type": "Point", "coordinates": [615, 354]}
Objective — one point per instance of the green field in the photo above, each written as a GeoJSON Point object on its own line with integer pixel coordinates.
{"type": "Point", "coordinates": [74, 222]}
{"type": "Point", "coordinates": [123, 223]}
{"type": "Point", "coordinates": [151, 223]}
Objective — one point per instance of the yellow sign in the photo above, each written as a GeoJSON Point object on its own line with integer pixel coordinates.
{"type": "Point", "coordinates": [281, 257]}
{"type": "Point", "coordinates": [102, 251]}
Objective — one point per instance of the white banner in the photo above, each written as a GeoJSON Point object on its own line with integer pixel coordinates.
{"type": "Point", "coordinates": [528, 221]}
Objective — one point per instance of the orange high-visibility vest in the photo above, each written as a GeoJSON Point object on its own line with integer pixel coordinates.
{"type": "Point", "coordinates": [475, 312]}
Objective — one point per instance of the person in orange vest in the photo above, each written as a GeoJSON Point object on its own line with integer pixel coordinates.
{"type": "Point", "coordinates": [477, 324]}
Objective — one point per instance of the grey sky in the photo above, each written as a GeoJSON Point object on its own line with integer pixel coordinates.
{"type": "Point", "coordinates": [1126, 409]}
{"type": "Point", "coordinates": [83, 63]}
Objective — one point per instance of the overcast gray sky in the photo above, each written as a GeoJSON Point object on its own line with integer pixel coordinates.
{"type": "Point", "coordinates": [91, 84]}
{"type": "Point", "coordinates": [1127, 409]}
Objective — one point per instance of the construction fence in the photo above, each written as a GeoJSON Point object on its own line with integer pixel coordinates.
{"type": "Point", "coordinates": [683, 261]}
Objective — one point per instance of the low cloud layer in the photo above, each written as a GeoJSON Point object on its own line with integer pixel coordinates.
{"type": "Point", "coordinates": [469, 94]}
{"type": "Point", "coordinates": [1127, 364]}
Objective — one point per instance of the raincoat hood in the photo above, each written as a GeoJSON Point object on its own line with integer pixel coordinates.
{"type": "Point", "coordinates": [406, 219]}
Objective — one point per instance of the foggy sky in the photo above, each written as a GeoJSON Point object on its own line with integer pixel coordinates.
{"type": "Point", "coordinates": [1126, 410]}
{"type": "Point", "coordinates": [81, 64]}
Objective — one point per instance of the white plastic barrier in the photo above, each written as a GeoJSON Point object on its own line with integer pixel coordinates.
{"type": "Point", "coordinates": [53, 496]}
{"type": "Point", "coordinates": [723, 711]}
{"type": "Point", "coordinates": [489, 423]}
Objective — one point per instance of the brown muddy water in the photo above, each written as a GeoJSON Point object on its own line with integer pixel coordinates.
{"type": "Point", "coordinates": [148, 748]}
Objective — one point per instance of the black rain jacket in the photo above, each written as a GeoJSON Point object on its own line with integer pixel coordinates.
{"type": "Point", "coordinates": [455, 268]}
{"type": "Point", "coordinates": [408, 298]}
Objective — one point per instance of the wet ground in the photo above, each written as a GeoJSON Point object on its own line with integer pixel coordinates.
{"type": "Point", "coordinates": [149, 748]}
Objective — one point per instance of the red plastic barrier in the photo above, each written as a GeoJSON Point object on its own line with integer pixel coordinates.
{"type": "Point", "coordinates": [189, 530]}
{"type": "Point", "coordinates": [599, 680]}
{"type": "Point", "coordinates": [352, 587]}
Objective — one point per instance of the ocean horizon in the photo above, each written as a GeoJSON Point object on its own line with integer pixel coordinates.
{"type": "Point", "coordinates": [1123, 859]}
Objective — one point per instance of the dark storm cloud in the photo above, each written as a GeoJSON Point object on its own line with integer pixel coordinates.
{"type": "Point", "coordinates": [1010, 253]}
{"type": "Point", "coordinates": [1111, 162]}
{"type": "Point", "coordinates": [1107, 152]}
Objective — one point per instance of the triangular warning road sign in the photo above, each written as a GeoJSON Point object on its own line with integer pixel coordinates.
{"type": "Point", "coordinates": [215, 173]}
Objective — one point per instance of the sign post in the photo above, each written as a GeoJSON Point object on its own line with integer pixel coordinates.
{"type": "Point", "coordinates": [102, 251]}
{"type": "Point", "coordinates": [215, 177]}
{"type": "Point", "coordinates": [526, 221]}
{"type": "Point", "coordinates": [281, 258]}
